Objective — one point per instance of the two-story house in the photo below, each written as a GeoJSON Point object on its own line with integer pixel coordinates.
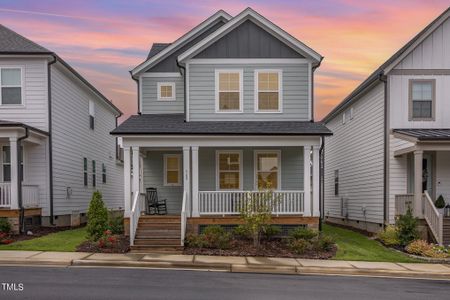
{"type": "Point", "coordinates": [390, 147]}
{"type": "Point", "coordinates": [54, 138]}
{"type": "Point", "coordinates": [224, 110]}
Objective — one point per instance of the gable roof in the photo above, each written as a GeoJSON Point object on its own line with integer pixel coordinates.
{"type": "Point", "coordinates": [273, 29]}
{"type": "Point", "coordinates": [13, 43]}
{"type": "Point", "coordinates": [156, 48]}
{"type": "Point", "coordinates": [221, 14]}
{"type": "Point", "coordinates": [388, 65]}
{"type": "Point", "coordinates": [173, 124]}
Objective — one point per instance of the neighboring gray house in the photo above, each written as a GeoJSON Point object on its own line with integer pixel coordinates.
{"type": "Point", "coordinates": [224, 110]}
{"type": "Point", "coordinates": [54, 137]}
{"type": "Point", "coordinates": [391, 139]}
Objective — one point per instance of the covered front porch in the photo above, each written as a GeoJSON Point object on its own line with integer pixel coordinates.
{"type": "Point", "coordinates": [426, 173]}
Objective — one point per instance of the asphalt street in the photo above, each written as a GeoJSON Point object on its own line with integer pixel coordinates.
{"type": "Point", "coordinates": [120, 283]}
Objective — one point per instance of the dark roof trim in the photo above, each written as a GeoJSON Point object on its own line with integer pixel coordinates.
{"type": "Point", "coordinates": [222, 133]}
{"type": "Point", "coordinates": [8, 124]}
{"type": "Point", "coordinates": [379, 73]}
{"type": "Point", "coordinates": [428, 134]}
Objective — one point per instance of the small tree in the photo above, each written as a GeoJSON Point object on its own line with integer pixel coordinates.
{"type": "Point", "coordinates": [407, 228]}
{"type": "Point", "coordinates": [440, 203]}
{"type": "Point", "coordinates": [256, 214]}
{"type": "Point", "coordinates": [97, 217]}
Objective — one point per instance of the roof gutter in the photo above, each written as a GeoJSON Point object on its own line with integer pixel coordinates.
{"type": "Point", "coordinates": [50, 144]}
{"type": "Point", "coordinates": [19, 181]}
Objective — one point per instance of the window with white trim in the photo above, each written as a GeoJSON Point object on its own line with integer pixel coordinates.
{"type": "Point", "coordinates": [166, 91]}
{"type": "Point", "coordinates": [267, 169]}
{"type": "Point", "coordinates": [268, 90]}
{"type": "Point", "coordinates": [11, 86]}
{"type": "Point", "coordinates": [91, 114]}
{"type": "Point", "coordinates": [421, 95]}
{"type": "Point", "coordinates": [6, 163]}
{"type": "Point", "coordinates": [228, 90]}
{"type": "Point", "coordinates": [172, 169]}
{"type": "Point", "coordinates": [229, 170]}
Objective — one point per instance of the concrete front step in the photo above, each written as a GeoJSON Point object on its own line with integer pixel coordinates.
{"type": "Point", "coordinates": [156, 242]}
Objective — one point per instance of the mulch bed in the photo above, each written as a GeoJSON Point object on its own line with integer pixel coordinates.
{"type": "Point", "coordinates": [274, 248]}
{"type": "Point", "coordinates": [121, 246]}
{"type": "Point", "coordinates": [38, 232]}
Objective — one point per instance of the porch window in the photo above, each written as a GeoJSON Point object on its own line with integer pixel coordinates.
{"type": "Point", "coordinates": [85, 171]}
{"type": "Point", "coordinates": [336, 182]}
{"type": "Point", "coordinates": [11, 86]}
{"type": "Point", "coordinates": [166, 91]}
{"type": "Point", "coordinates": [267, 167]}
{"type": "Point", "coordinates": [268, 90]}
{"type": "Point", "coordinates": [229, 169]}
{"type": "Point", "coordinates": [422, 97]}
{"type": "Point", "coordinates": [172, 169]}
{"type": "Point", "coordinates": [103, 173]}
{"type": "Point", "coordinates": [6, 163]}
{"type": "Point", "coordinates": [91, 114]}
{"type": "Point", "coordinates": [94, 181]}
{"type": "Point", "coordinates": [228, 90]}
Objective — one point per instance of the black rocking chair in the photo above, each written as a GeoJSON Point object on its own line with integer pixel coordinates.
{"type": "Point", "coordinates": [154, 205]}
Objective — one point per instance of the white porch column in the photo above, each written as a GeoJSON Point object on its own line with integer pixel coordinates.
{"type": "Point", "coordinates": [127, 180]}
{"type": "Point", "coordinates": [418, 161]}
{"type": "Point", "coordinates": [316, 179]}
{"type": "Point", "coordinates": [136, 169]}
{"type": "Point", "coordinates": [14, 173]}
{"type": "Point", "coordinates": [187, 174]}
{"type": "Point", "coordinates": [307, 180]}
{"type": "Point", "coordinates": [195, 212]}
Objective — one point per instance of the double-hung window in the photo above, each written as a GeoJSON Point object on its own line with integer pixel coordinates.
{"type": "Point", "coordinates": [103, 173]}
{"type": "Point", "coordinates": [229, 170]}
{"type": "Point", "coordinates": [421, 99]}
{"type": "Point", "coordinates": [229, 91]}
{"type": "Point", "coordinates": [94, 181]}
{"type": "Point", "coordinates": [91, 114]}
{"type": "Point", "coordinates": [336, 182]}
{"type": "Point", "coordinates": [11, 86]}
{"type": "Point", "coordinates": [172, 169]}
{"type": "Point", "coordinates": [85, 171]}
{"type": "Point", "coordinates": [6, 163]}
{"type": "Point", "coordinates": [268, 90]}
{"type": "Point", "coordinates": [267, 169]}
{"type": "Point", "coordinates": [166, 91]}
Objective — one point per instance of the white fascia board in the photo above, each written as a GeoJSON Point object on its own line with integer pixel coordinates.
{"type": "Point", "coordinates": [180, 41]}
{"type": "Point", "coordinates": [277, 31]}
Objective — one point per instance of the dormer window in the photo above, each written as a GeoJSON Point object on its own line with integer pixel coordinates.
{"type": "Point", "coordinates": [11, 86]}
{"type": "Point", "coordinates": [268, 90]}
{"type": "Point", "coordinates": [166, 91]}
{"type": "Point", "coordinates": [422, 94]}
{"type": "Point", "coordinates": [229, 91]}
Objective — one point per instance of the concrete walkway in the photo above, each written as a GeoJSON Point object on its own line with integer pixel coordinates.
{"type": "Point", "coordinates": [271, 265]}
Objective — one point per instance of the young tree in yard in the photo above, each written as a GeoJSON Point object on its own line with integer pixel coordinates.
{"type": "Point", "coordinates": [97, 217]}
{"type": "Point", "coordinates": [256, 213]}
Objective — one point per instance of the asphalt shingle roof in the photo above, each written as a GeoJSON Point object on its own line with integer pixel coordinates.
{"type": "Point", "coordinates": [12, 42]}
{"type": "Point", "coordinates": [175, 124]}
{"type": "Point", "coordinates": [156, 48]}
{"type": "Point", "coordinates": [426, 134]}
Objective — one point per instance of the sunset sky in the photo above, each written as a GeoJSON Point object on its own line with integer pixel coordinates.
{"type": "Point", "coordinates": [105, 39]}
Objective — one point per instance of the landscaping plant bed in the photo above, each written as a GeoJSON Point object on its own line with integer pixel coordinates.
{"type": "Point", "coordinates": [273, 248]}
{"type": "Point", "coordinates": [121, 245]}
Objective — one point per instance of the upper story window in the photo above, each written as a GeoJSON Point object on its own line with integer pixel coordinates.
{"type": "Point", "coordinates": [229, 170]}
{"type": "Point", "coordinates": [268, 90]}
{"type": "Point", "coordinates": [11, 86]}
{"type": "Point", "coordinates": [166, 91]}
{"type": "Point", "coordinates": [267, 169]}
{"type": "Point", "coordinates": [228, 90]}
{"type": "Point", "coordinates": [422, 94]}
{"type": "Point", "coordinates": [91, 114]}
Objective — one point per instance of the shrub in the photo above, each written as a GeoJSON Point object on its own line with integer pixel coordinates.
{"type": "Point", "coordinates": [440, 203]}
{"type": "Point", "coordinates": [407, 228]}
{"type": "Point", "coordinates": [322, 242]}
{"type": "Point", "coordinates": [422, 248]}
{"type": "Point", "coordinates": [107, 240]}
{"type": "Point", "coordinates": [195, 241]}
{"type": "Point", "coordinates": [303, 233]}
{"type": "Point", "coordinates": [242, 232]}
{"type": "Point", "coordinates": [5, 226]}
{"type": "Point", "coordinates": [97, 217]}
{"type": "Point", "coordinates": [299, 246]}
{"type": "Point", "coordinates": [389, 236]}
{"type": "Point", "coordinates": [271, 231]}
{"type": "Point", "coordinates": [216, 237]}
{"type": "Point", "coordinates": [115, 223]}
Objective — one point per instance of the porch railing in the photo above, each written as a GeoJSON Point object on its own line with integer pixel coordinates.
{"type": "Point", "coordinates": [434, 219]}
{"type": "Point", "coordinates": [135, 214]}
{"type": "Point", "coordinates": [402, 202]}
{"type": "Point", "coordinates": [231, 202]}
{"type": "Point", "coordinates": [30, 195]}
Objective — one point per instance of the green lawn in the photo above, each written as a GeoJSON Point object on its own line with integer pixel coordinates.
{"type": "Point", "coordinates": [355, 246]}
{"type": "Point", "coordinates": [66, 241]}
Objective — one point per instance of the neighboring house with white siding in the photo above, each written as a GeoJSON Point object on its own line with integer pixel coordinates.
{"type": "Point", "coordinates": [224, 110]}
{"type": "Point", "coordinates": [391, 139]}
{"type": "Point", "coordinates": [54, 127]}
